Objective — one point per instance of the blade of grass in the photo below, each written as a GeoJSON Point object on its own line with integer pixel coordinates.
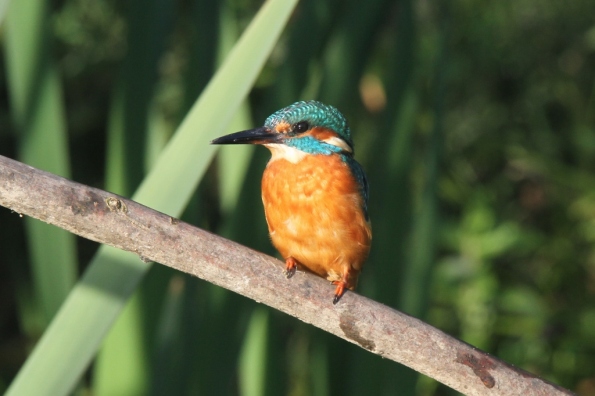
{"type": "Point", "coordinates": [38, 114]}
{"type": "Point", "coordinates": [253, 358]}
{"type": "Point", "coordinates": [72, 339]}
{"type": "Point", "coordinates": [392, 196]}
{"type": "Point", "coordinates": [149, 23]}
{"type": "Point", "coordinates": [319, 368]}
{"type": "Point", "coordinates": [347, 52]}
{"type": "Point", "coordinates": [138, 357]}
{"type": "Point", "coordinates": [416, 279]}
{"type": "Point", "coordinates": [233, 164]}
{"type": "Point", "coordinates": [220, 367]}
{"type": "Point", "coordinates": [3, 9]}
{"type": "Point", "coordinates": [123, 352]}
{"type": "Point", "coordinates": [173, 368]}
{"type": "Point", "coordinates": [123, 364]}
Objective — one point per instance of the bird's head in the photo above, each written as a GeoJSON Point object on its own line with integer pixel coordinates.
{"type": "Point", "coordinates": [308, 127]}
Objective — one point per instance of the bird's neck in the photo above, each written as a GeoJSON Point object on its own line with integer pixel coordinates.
{"type": "Point", "coordinates": [295, 150]}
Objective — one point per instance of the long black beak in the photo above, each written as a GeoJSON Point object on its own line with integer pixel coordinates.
{"type": "Point", "coordinates": [260, 135]}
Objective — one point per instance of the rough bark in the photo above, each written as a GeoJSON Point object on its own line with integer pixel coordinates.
{"type": "Point", "coordinates": [107, 218]}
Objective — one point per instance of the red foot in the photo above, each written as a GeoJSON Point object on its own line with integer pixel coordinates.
{"type": "Point", "coordinates": [339, 291]}
{"type": "Point", "coordinates": [290, 267]}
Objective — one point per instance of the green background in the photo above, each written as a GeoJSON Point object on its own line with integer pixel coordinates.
{"type": "Point", "coordinates": [475, 123]}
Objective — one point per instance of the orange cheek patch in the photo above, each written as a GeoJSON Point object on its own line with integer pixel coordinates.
{"type": "Point", "coordinates": [283, 127]}
{"type": "Point", "coordinates": [320, 133]}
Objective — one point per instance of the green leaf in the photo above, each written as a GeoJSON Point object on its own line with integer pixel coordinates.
{"type": "Point", "coordinates": [38, 115]}
{"type": "Point", "coordinates": [71, 341]}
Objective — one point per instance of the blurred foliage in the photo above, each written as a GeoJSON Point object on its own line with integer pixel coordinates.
{"type": "Point", "coordinates": [475, 122]}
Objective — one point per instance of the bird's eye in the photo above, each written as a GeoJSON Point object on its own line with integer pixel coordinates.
{"type": "Point", "coordinates": [301, 126]}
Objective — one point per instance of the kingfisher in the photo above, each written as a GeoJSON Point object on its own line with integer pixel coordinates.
{"type": "Point", "coordinates": [315, 194]}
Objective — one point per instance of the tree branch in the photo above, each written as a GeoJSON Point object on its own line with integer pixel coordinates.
{"type": "Point", "coordinates": [110, 219]}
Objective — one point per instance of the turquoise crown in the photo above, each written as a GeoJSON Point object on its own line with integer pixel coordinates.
{"type": "Point", "coordinates": [316, 114]}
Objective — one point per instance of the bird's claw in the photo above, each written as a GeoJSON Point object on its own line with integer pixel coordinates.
{"type": "Point", "coordinates": [339, 291]}
{"type": "Point", "coordinates": [290, 267]}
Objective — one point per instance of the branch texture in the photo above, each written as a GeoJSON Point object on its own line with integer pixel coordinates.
{"type": "Point", "coordinates": [110, 219]}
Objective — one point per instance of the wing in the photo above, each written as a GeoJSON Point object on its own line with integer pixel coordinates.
{"type": "Point", "coordinates": [362, 181]}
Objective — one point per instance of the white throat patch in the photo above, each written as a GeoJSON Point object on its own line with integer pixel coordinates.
{"type": "Point", "coordinates": [282, 151]}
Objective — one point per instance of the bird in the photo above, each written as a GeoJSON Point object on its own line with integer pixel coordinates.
{"type": "Point", "coordinates": [315, 194]}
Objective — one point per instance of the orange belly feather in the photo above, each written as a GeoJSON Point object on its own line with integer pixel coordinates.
{"type": "Point", "coordinates": [314, 213]}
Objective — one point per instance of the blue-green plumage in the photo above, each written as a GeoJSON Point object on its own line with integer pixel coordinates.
{"type": "Point", "coordinates": [362, 181]}
{"type": "Point", "coordinates": [317, 114]}
{"type": "Point", "coordinates": [311, 145]}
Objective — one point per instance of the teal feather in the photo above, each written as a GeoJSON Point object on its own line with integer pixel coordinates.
{"type": "Point", "coordinates": [316, 114]}
{"type": "Point", "coordinates": [310, 145]}
{"type": "Point", "coordinates": [362, 181]}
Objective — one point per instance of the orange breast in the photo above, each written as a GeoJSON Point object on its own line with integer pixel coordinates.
{"type": "Point", "coordinates": [314, 213]}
